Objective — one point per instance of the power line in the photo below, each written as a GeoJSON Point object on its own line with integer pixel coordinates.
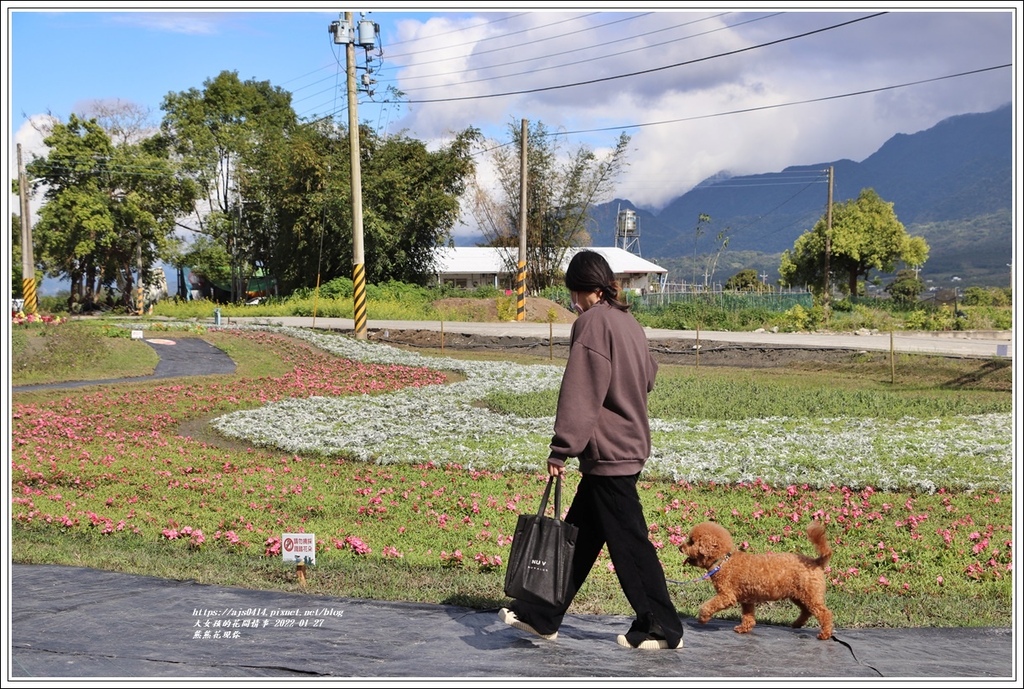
{"type": "Point", "coordinates": [628, 127]}
{"type": "Point", "coordinates": [510, 33]}
{"type": "Point", "coordinates": [651, 70]}
{"type": "Point", "coordinates": [792, 103]}
{"type": "Point", "coordinates": [461, 29]}
{"type": "Point", "coordinates": [606, 56]}
{"type": "Point", "coordinates": [519, 46]}
{"type": "Point", "coordinates": [765, 215]}
{"type": "Point", "coordinates": [791, 38]}
{"type": "Point", "coordinates": [474, 42]}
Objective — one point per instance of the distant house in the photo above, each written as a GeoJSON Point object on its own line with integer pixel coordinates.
{"type": "Point", "coordinates": [484, 266]}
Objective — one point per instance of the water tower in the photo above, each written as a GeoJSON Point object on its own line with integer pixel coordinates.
{"type": "Point", "coordinates": [627, 231]}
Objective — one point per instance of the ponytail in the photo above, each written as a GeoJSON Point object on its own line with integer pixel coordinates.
{"type": "Point", "coordinates": [589, 271]}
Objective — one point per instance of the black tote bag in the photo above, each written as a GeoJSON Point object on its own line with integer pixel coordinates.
{"type": "Point", "coordinates": [540, 562]}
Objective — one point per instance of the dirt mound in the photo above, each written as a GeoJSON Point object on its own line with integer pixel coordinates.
{"type": "Point", "coordinates": [538, 310]}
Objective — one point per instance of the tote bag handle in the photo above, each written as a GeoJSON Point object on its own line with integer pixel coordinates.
{"type": "Point", "coordinates": [558, 498]}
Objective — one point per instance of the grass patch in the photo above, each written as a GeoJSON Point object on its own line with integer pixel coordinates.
{"type": "Point", "coordinates": [724, 393]}
{"type": "Point", "coordinates": [77, 350]}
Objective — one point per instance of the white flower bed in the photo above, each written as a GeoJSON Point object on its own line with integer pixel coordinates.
{"type": "Point", "coordinates": [440, 424]}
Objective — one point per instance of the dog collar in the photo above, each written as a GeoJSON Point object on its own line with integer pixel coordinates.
{"type": "Point", "coordinates": [707, 575]}
{"type": "Point", "coordinates": [717, 566]}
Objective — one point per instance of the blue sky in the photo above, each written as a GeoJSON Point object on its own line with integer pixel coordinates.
{"type": "Point", "coordinates": [699, 91]}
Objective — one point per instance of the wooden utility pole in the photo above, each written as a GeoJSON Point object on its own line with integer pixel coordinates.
{"type": "Point", "coordinates": [827, 294]}
{"type": "Point", "coordinates": [358, 265]}
{"type": "Point", "coordinates": [140, 299]}
{"type": "Point", "coordinates": [521, 273]}
{"type": "Point", "coordinates": [28, 268]}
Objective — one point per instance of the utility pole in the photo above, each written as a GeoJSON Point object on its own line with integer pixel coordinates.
{"type": "Point", "coordinates": [521, 273]}
{"type": "Point", "coordinates": [826, 295]}
{"type": "Point", "coordinates": [140, 300]}
{"type": "Point", "coordinates": [358, 266]}
{"type": "Point", "coordinates": [28, 268]}
{"type": "Point", "coordinates": [346, 32]}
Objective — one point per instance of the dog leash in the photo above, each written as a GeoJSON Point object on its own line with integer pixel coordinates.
{"type": "Point", "coordinates": [707, 575]}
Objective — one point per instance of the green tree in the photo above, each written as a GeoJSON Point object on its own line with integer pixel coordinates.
{"type": "Point", "coordinates": [209, 259]}
{"type": "Point", "coordinates": [865, 236]}
{"type": "Point", "coordinates": [560, 188]}
{"type": "Point", "coordinates": [214, 131]}
{"type": "Point", "coordinates": [906, 287]}
{"type": "Point", "coordinates": [744, 281]}
{"type": "Point", "coordinates": [299, 210]}
{"type": "Point", "coordinates": [982, 296]}
{"type": "Point", "coordinates": [411, 200]}
{"type": "Point", "coordinates": [109, 210]}
{"type": "Point", "coordinates": [299, 213]}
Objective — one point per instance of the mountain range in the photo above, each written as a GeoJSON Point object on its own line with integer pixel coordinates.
{"type": "Point", "coordinates": [951, 184]}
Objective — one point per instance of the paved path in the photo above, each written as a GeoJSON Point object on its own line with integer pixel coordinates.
{"type": "Point", "coordinates": [973, 344]}
{"type": "Point", "coordinates": [179, 357]}
{"type": "Point", "coordinates": [77, 622]}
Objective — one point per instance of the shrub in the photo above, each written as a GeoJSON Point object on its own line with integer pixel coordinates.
{"type": "Point", "coordinates": [796, 319]}
{"type": "Point", "coordinates": [558, 294]}
{"type": "Point", "coordinates": [981, 296]}
{"type": "Point", "coordinates": [507, 308]}
{"type": "Point", "coordinates": [906, 287]}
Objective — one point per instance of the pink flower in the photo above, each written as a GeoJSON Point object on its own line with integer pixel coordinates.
{"type": "Point", "coordinates": [939, 580]}
{"type": "Point", "coordinates": [487, 563]}
{"type": "Point", "coordinates": [451, 560]}
{"type": "Point", "coordinates": [357, 546]}
{"type": "Point", "coordinates": [883, 581]}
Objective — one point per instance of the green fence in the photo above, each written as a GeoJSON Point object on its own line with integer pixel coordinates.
{"type": "Point", "coordinates": [726, 300]}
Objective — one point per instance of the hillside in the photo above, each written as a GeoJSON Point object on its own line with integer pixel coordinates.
{"type": "Point", "coordinates": [951, 184]}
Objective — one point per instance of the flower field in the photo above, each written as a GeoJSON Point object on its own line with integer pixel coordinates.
{"type": "Point", "coordinates": [390, 458]}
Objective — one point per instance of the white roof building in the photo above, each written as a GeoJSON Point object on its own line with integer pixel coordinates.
{"type": "Point", "coordinates": [479, 266]}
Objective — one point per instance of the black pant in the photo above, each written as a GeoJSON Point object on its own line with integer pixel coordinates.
{"type": "Point", "coordinates": [607, 510]}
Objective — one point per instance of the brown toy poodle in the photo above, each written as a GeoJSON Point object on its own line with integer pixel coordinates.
{"type": "Point", "coordinates": [749, 579]}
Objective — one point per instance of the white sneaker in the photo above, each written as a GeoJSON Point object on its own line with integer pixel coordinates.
{"type": "Point", "coordinates": [651, 642]}
{"type": "Point", "coordinates": [509, 618]}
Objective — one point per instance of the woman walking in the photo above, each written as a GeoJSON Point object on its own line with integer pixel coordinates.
{"type": "Point", "coordinates": [602, 420]}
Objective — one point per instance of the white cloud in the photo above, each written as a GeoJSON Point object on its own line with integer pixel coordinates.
{"type": "Point", "coordinates": [30, 137]}
{"type": "Point", "coordinates": [690, 70]}
{"type": "Point", "coordinates": [190, 23]}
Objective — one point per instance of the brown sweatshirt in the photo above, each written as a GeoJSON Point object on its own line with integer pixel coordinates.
{"type": "Point", "coordinates": [602, 404]}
